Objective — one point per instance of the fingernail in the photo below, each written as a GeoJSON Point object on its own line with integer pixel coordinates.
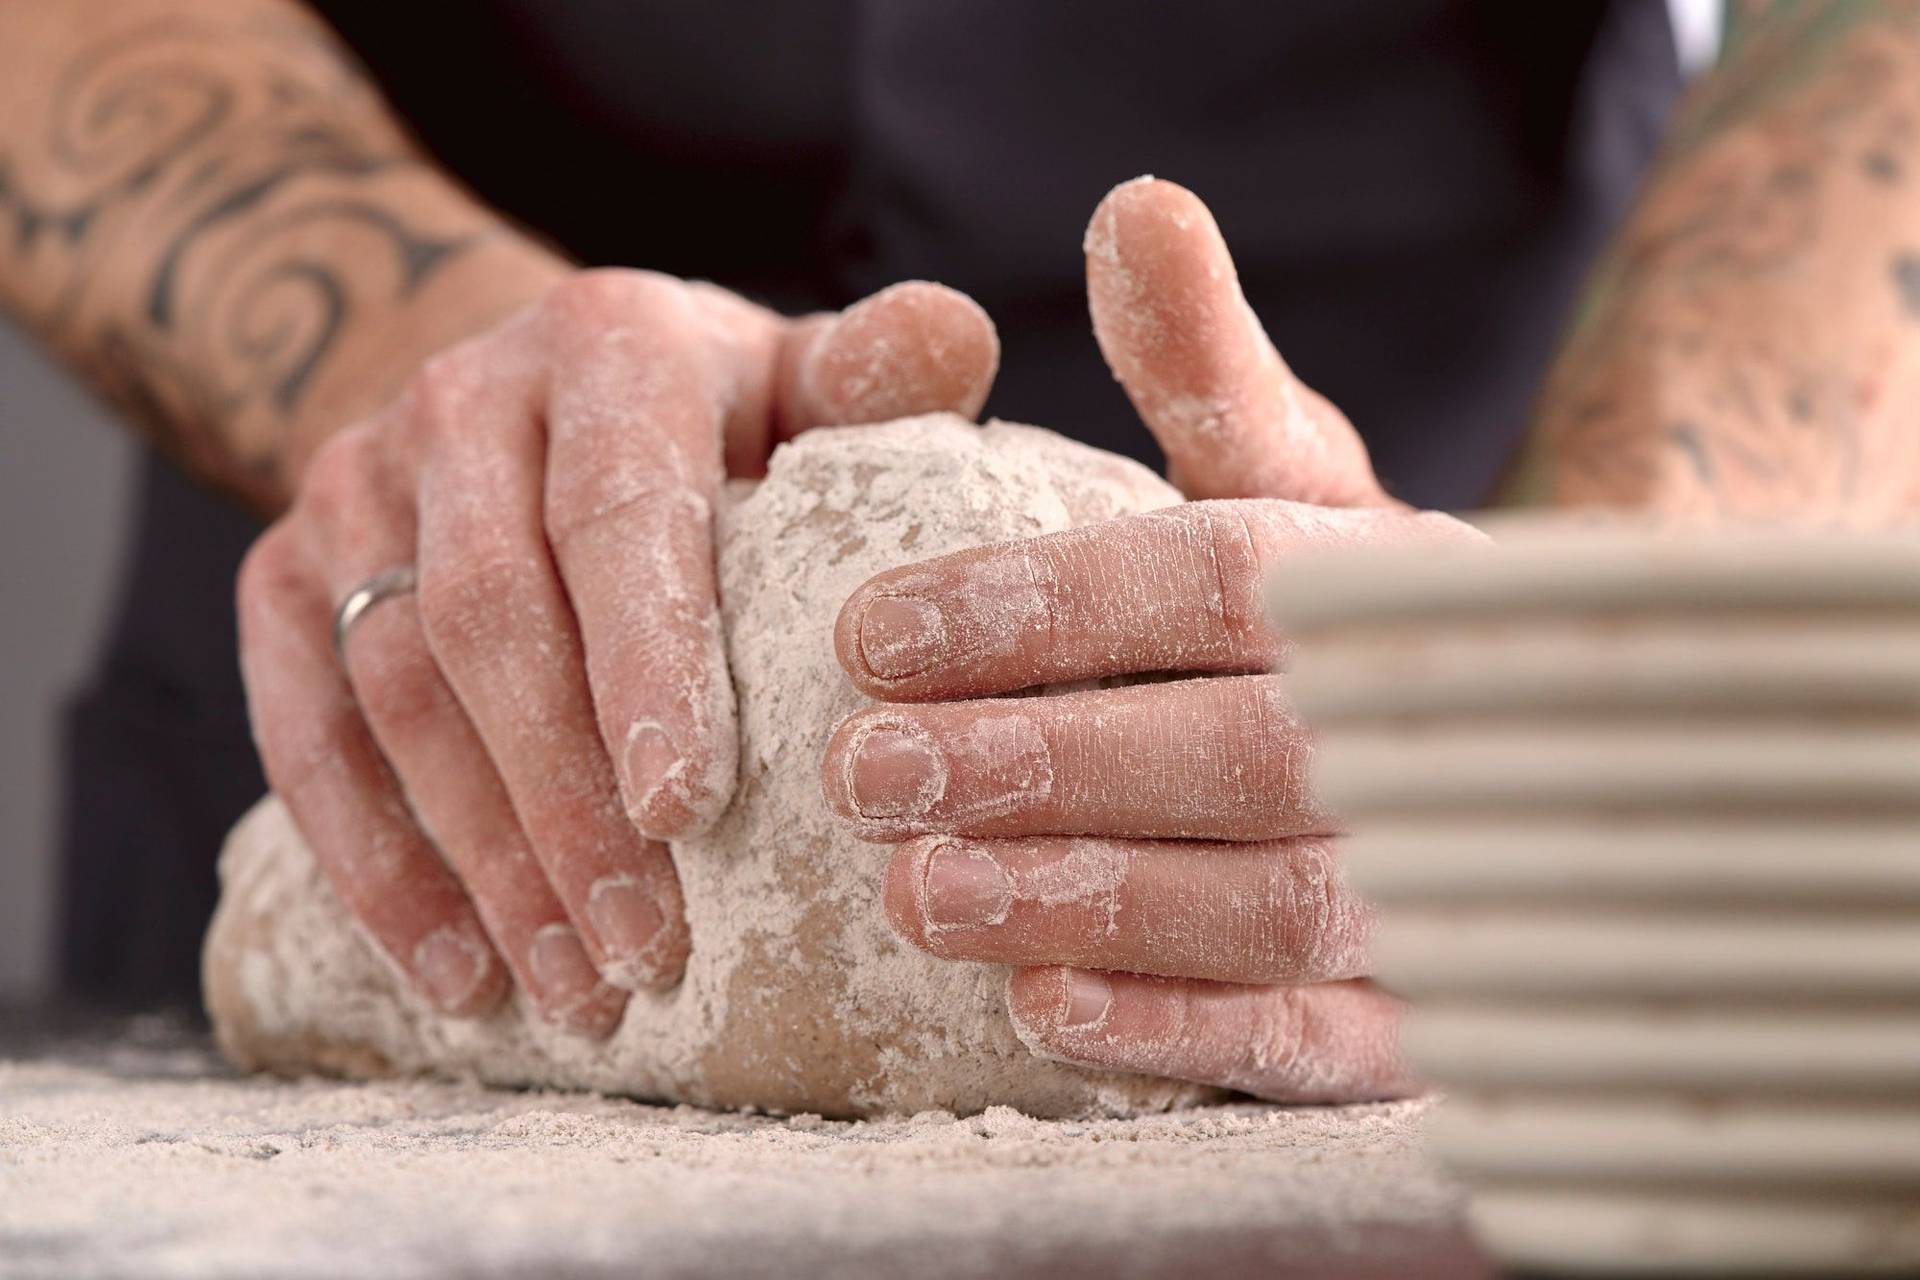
{"type": "Point", "coordinates": [901, 636]}
{"type": "Point", "coordinates": [652, 759]}
{"type": "Point", "coordinates": [896, 774]}
{"type": "Point", "coordinates": [966, 887]}
{"type": "Point", "coordinates": [627, 920]}
{"type": "Point", "coordinates": [451, 966]}
{"type": "Point", "coordinates": [1088, 998]}
{"type": "Point", "coordinates": [566, 980]}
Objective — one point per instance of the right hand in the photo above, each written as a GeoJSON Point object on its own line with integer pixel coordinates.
{"type": "Point", "coordinates": [487, 779]}
{"type": "Point", "coordinates": [1150, 860]}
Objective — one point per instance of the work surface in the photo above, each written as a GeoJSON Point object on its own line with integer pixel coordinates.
{"type": "Point", "coordinates": [128, 1149]}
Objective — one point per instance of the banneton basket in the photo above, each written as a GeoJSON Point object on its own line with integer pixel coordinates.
{"type": "Point", "coordinates": [1641, 814]}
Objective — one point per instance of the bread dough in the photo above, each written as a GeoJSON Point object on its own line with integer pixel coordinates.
{"type": "Point", "coordinates": [797, 997]}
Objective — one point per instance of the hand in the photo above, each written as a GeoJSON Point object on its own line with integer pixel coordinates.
{"type": "Point", "coordinates": [1148, 857]}
{"type": "Point", "coordinates": [487, 781]}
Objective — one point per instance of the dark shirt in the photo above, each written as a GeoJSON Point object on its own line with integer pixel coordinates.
{"type": "Point", "coordinates": [1411, 189]}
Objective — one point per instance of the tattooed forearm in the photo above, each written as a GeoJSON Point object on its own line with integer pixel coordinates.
{"type": "Point", "coordinates": [205, 207]}
{"type": "Point", "coordinates": [1906, 282]}
{"type": "Point", "coordinates": [1749, 347]}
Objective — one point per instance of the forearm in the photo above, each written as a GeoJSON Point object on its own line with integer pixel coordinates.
{"type": "Point", "coordinates": [1750, 345]}
{"type": "Point", "coordinates": [210, 214]}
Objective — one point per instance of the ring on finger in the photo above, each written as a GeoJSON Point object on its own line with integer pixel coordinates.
{"type": "Point", "coordinates": [397, 581]}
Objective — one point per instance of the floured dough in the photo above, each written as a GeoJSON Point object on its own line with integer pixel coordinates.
{"type": "Point", "coordinates": [798, 997]}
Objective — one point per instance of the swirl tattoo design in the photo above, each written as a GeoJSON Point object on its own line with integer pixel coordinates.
{"type": "Point", "coordinates": [265, 200]}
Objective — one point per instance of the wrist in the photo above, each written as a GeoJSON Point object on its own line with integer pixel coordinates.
{"type": "Point", "coordinates": [489, 270]}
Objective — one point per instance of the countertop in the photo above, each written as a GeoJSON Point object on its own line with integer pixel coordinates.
{"type": "Point", "coordinates": [127, 1147]}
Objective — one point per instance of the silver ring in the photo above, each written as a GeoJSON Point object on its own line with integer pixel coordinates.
{"type": "Point", "coordinates": [390, 582]}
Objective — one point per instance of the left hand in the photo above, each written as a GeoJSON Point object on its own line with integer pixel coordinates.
{"type": "Point", "coordinates": [1148, 857]}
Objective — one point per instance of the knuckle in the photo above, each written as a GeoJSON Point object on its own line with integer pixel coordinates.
{"type": "Point", "coordinates": [398, 686]}
{"type": "Point", "coordinates": [465, 608]}
{"type": "Point", "coordinates": [341, 474]}
{"type": "Point", "coordinates": [1264, 704]}
{"type": "Point", "coordinates": [660, 512]}
{"type": "Point", "coordinates": [592, 299]}
{"type": "Point", "coordinates": [1317, 927]}
{"type": "Point", "coordinates": [433, 402]}
{"type": "Point", "coordinates": [1276, 1044]}
{"type": "Point", "coordinates": [296, 752]}
{"type": "Point", "coordinates": [1277, 745]}
{"type": "Point", "coordinates": [453, 369]}
{"type": "Point", "coordinates": [1188, 1022]}
{"type": "Point", "coordinates": [1231, 551]}
{"type": "Point", "coordinates": [268, 572]}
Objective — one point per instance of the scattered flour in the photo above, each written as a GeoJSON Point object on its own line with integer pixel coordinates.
{"type": "Point", "coordinates": [183, 1173]}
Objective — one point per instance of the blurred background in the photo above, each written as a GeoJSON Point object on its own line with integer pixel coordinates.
{"type": "Point", "coordinates": [65, 471]}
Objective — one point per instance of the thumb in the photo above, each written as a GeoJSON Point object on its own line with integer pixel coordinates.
{"type": "Point", "coordinates": [1180, 337]}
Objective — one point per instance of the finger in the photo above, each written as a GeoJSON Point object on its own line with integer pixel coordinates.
{"type": "Point", "coordinates": [633, 470]}
{"type": "Point", "coordinates": [1172, 590]}
{"type": "Point", "coordinates": [649, 377]}
{"type": "Point", "coordinates": [363, 521]}
{"type": "Point", "coordinates": [1276, 911]}
{"type": "Point", "coordinates": [912, 348]}
{"type": "Point", "coordinates": [1332, 1042]}
{"type": "Point", "coordinates": [1220, 759]}
{"type": "Point", "coordinates": [501, 630]}
{"type": "Point", "coordinates": [321, 760]}
{"type": "Point", "coordinates": [1179, 335]}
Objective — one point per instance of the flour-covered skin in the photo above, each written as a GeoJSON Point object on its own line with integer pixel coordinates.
{"type": "Point", "coordinates": [1153, 855]}
{"type": "Point", "coordinates": [1179, 334]}
{"type": "Point", "coordinates": [797, 994]}
{"type": "Point", "coordinates": [1320, 1043]}
{"type": "Point", "coordinates": [489, 782]}
{"type": "Point", "coordinates": [1277, 911]}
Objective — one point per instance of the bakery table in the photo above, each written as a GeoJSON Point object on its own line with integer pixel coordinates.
{"type": "Point", "coordinates": [128, 1148]}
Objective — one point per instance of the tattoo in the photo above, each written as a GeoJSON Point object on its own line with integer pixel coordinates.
{"type": "Point", "coordinates": [1906, 281]}
{"type": "Point", "coordinates": [1881, 166]}
{"type": "Point", "coordinates": [1686, 435]}
{"type": "Point", "coordinates": [1737, 354]}
{"type": "Point", "coordinates": [1774, 48]}
{"type": "Point", "coordinates": [209, 209]}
